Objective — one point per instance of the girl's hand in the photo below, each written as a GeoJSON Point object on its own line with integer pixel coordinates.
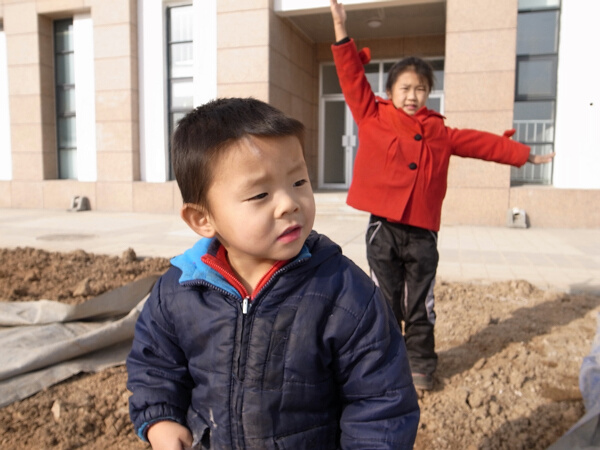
{"type": "Point", "coordinates": [540, 159]}
{"type": "Point", "coordinates": [339, 20]}
{"type": "Point", "coordinates": [338, 12]}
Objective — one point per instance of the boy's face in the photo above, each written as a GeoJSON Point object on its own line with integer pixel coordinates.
{"type": "Point", "coordinates": [261, 202]}
{"type": "Point", "coordinates": [409, 92]}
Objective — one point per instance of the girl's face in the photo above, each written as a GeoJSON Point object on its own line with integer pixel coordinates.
{"type": "Point", "coordinates": [409, 92]}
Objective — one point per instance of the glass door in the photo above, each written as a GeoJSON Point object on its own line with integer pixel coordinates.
{"type": "Point", "coordinates": [338, 144]}
{"type": "Point", "coordinates": [337, 134]}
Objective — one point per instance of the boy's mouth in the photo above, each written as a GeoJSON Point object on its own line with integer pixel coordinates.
{"type": "Point", "coordinates": [290, 234]}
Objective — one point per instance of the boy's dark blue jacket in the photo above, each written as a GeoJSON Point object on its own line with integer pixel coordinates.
{"type": "Point", "coordinates": [317, 362]}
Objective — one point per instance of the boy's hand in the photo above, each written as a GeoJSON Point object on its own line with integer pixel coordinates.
{"type": "Point", "coordinates": [339, 20]}
{"type": "Point", "coordinates": [540, 159]}
{"type": "Point", "coordinates": [169, 435]}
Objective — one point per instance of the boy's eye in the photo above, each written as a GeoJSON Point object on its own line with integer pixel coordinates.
{"type": "Point", "coordinates": [258, 197]}
{"type": "Point", "coordinates": [300, 183]}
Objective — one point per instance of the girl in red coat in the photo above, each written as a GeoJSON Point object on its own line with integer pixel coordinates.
{"type": "Point", "coordinates": [400, 177]}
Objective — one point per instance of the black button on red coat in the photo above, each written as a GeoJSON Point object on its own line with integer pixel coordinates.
{"type": "Point", "coordinates": [412, 166]}
{"type": "Point", "coordinates": [418, 137]}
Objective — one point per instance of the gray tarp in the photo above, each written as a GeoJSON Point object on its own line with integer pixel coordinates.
{"type": "Point", "coordinates": [45, 342]}
{"type": "Point", "coordinates": [585, 434]}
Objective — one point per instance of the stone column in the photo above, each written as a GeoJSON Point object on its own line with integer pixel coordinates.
{"type": "Point", "coordinates": [479, 94]}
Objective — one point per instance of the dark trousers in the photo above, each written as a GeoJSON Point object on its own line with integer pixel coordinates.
{"type": "Point", "coordinates": [403, 260]}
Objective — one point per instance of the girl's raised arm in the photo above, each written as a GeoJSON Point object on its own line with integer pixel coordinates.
{"type": "Point", "coordinates": [339, 20]}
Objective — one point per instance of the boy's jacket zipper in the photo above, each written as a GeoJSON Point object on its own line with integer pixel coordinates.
{"type": "Point", "coordinates": [246, 303]}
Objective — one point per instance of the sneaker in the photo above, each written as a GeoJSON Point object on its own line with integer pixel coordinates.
{"type": "Point", "coordinates": [422, 381]}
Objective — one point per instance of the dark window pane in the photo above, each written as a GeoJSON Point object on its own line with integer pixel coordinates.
{"type": "Point", "coordinates": [438, 80]}
{"type": "Point", "coordinates": [536, 77]}
{"type": "Point", "coordinates": [434, 103]}
{"type": "Point", "coordinates": [387, 66]}
{"type": "Point", "coordinates": [372, 73]}
{"type": "Point", "coordinates": [438, 73]}
{"type": "Point", "coordinates": [67, 162]}
{"type": "Point", "coordinates": [67, 135]}
{"type": "Point", "coordinates": [534, 111]}
{"type": "Point", "coordinates": [331, 83]}
{"type": "Point", "coordinates": [65, 68]}
{"type": "Point", "coordinates": [537, 33]}
{"type": "Point", "coordinates": [63, 36]}
{"type": "Point", "coordinates": [65, 99]}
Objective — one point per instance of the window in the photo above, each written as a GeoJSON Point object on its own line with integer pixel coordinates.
{"type": "Point", "coordinates": [64, 63]}
{"type": "Point", "coordinates": [535, 85]}
{"type": "Point", "coordinates": [180, 55]}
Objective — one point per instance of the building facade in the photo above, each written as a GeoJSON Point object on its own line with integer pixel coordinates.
{"type": "Point", "coordinates": [90, 91]}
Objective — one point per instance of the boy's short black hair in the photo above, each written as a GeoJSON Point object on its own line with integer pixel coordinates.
{"type": "Point", "coordinates": [203, 134]}
{"type": "Point", "coordinates": [421, 67]}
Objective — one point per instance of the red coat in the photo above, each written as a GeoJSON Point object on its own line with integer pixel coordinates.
{"type": "Point", "coordinates": [401, 167]}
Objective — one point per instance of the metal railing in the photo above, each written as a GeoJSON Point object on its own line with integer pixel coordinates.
{"type": "Point", "coordinates": [539, 135]}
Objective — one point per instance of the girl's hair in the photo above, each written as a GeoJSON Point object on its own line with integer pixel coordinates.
{"type": "Point", "coordinates": [207, 132]}
{"type": "Point", "coordinates": [421, 67]}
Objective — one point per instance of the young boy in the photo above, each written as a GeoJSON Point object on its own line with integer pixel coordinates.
{"type": "Point", "coordinates": [262, 335]}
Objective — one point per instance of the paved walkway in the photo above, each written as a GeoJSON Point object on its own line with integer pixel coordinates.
{"type": "Point", "coordinates": [562, 259]}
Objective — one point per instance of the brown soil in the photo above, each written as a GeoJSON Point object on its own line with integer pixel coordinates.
{"type": "Point", "coordinates": [509, 360]}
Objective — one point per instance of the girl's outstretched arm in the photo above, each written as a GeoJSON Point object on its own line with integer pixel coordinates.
{"type": "Point", "coordinates": [339, 20]}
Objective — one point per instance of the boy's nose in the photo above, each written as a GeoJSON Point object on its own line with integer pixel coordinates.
{"type": "Point", "coordinates": [287, 204]}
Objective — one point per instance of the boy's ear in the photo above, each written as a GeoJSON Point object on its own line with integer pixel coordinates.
{"type": "Point", "coordinates": [197, 219]}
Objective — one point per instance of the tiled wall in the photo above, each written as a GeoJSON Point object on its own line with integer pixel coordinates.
{"type": "Point", "coordinates": [28, 27]}
{"type": "Point", "coordinates": [117, 126]}
{"type": "Point", "coordinates": [243, 49]}
{"type": "Point", "coordinates": [294, 82]}
{"type": "Point", "coordinates": [261, 55]}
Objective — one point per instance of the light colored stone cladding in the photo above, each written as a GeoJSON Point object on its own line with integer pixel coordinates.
{"type": "Point", "coordinates": [479, 94]}
{"type": "Point", "coordinates": [262, 55]}
{"type": "Point", "coordinates": [28, 28]}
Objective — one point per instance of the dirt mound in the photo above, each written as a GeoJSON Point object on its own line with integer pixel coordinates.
{"type": "Point", "coordinates": [509, 360]}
